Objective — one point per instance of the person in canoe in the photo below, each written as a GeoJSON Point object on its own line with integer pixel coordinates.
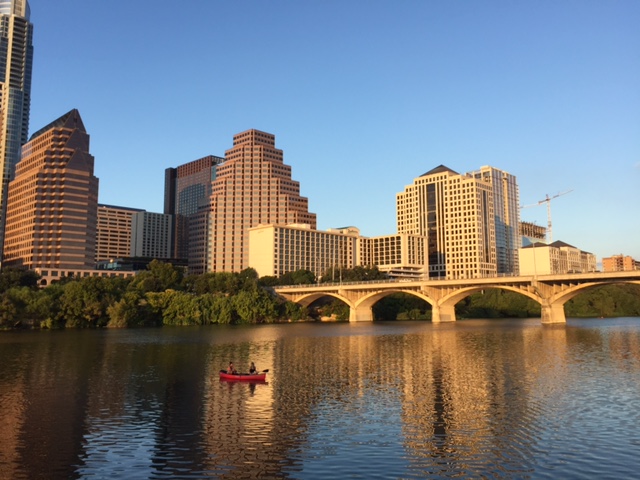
{"type": "Point", "coordinates": [252, 369]}
{"type": "Point", "coordinates": [231, 370]}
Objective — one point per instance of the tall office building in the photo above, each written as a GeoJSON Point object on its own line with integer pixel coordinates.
{"type": "Point", "coordinates": [16, 56]}
{"type": "Point", "coordinates": [53, 200]}
{"type": "Point", "coordinates": [186, 189]}
{"type": "Point", "coordinates": [253, 186]}
{"type": "Point", "coordinates": [456, 213]}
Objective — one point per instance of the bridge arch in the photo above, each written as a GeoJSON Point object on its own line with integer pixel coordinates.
{"type": "Point", "coordinates": [307, 299]}
{"type": "Point", "coordinates": [363, 308]}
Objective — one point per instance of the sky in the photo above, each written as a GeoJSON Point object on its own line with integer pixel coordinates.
{"type": "Point", "coordinates": [363, 97]}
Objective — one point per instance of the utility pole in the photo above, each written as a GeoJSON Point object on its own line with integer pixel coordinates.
{"type": "Point", "coordinates": [547, 200]}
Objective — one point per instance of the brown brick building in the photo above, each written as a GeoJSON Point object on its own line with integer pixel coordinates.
{"type": "Point", "coordinates": [252, 186]}
{"type": "Point", "coordinates": [53, 200]}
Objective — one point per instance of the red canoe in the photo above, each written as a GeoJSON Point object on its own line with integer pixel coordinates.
{"type": "Point", "coordinates": [243, 377]}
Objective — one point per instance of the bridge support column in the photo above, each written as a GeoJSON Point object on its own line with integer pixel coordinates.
{"type": "Point", "coordinates": [360, 314]}
{"type": "Point", "coordinates": [553, 313]}
{"type": "Point", "coordinates": [443, 313]}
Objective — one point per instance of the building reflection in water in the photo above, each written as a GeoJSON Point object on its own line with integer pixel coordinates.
{"type": "Point", "coordinates": [451, 397]}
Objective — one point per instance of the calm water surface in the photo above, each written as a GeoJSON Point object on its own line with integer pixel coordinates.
{"type": "Point", "coordinates": [476, 398]}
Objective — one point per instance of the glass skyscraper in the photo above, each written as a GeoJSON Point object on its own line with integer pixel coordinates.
{"type": "Point", "coordinates": [16, 56]}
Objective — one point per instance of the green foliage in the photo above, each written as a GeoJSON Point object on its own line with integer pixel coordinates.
{"type": "Point", "coordinates": [158, 277]}
{"type": "Point", "coordinates": [14, 277]}
{"type": "Point", "coordinates": [398, 305]}
{"type": "Point", "coordinates": [607, 301]}
{"type": "Point", "coordinates": [356, 274]}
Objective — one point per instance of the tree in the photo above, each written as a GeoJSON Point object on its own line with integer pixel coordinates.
{"type": "Point", "coordinates": [158, 277]}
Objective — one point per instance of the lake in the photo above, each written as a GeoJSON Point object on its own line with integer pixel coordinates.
{"type": "Point", "coordinates": [475, 398]}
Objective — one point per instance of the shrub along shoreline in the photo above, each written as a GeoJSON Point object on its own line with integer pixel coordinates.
{"type": "Point", "coordinates": [163, 295]}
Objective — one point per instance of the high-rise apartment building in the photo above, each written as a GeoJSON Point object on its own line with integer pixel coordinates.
{"type": "Point", "coordinates": [16, 57]}
{"type": "Point", "coordinates": [253, 186]}
{"type": "Point", "coordinates": [457, 215]}
{"type": "Point", "coordinates": [506, 216]}
{"type": "Point", "coordinates": [52, 202]}
{"type": "Point", "coordinates": [187, 188]}
{"type": "Point", "coordinates": [113, 237]}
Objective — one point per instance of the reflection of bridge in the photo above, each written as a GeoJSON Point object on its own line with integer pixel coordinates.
{"type": "Point", "coordinates": [550, 291]}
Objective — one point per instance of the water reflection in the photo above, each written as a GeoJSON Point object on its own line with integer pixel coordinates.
{"type": "Point", "coordinates": [389, 400]}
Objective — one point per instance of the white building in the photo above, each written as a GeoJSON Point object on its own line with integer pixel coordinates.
{"type": "Point", "coordinates": [555, 258]}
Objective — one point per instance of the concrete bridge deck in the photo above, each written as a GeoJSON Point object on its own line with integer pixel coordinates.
{"type": "Point", "coordinates": [550, 291]}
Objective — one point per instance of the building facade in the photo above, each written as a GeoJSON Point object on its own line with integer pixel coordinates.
{"type": "Point", "coordinates": [277, 249]}
{"type": "Point", "coordinates": [400, 256]}
{"type": "Point", "coordinates": [16, 57]}
{"type": "Point", "coordinates": [455, 213]}
{"type": "Point", "coordinates": [151, 235]}
{"type": "Point", "coordinates": [53, 200]}
{"type": "Point", "coordinates": [113, 236]}
{"type": "Point", "coordinates": [620, 263]}
{"type": "Point", "coordinates": [506, 216]}
{"type": "Point", "coordinates": [187, 189]}
{"type": "Point", "coordinates": [253, 186]}
{"type": "Point", "coordinates": [555, 258]}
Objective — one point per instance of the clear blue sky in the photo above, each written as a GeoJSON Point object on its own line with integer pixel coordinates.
{"type": "Point", "coordinates": [363, 97]}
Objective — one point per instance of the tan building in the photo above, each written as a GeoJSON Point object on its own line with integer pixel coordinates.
{"type": "Point", "coordinates": [253, 186]}
{"type": "Point", "coordinates": [113, 238]}
{"type": "Point", "coordinates": [277, 249]}
{"type": "Point", "coordinates": [151, 235]}
{"type": "Point", "coordinates": [400, 256]}
{"type": "Point", "coordinates": [53, 200]}
{"type": "Point", "coordinates": [456, 215]}
{"type": "Point", "coordinates": [555, 258]}
{"type": "Point", "coordinates": [619, 263]}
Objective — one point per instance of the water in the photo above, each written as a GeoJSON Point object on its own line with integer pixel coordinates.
{"type": "Point", "coordinates": [476, 398]}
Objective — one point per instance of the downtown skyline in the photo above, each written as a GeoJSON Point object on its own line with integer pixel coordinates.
{"type": "Point", "coordinates": [361, 108]}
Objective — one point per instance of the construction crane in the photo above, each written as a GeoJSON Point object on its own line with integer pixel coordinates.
{"type": "Point", "coordinates": [547, 200]}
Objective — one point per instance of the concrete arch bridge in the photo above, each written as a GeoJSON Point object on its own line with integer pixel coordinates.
{"type": "Point", "coordinates": [550, 291]}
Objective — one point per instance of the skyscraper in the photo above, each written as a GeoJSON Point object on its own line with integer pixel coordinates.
{"type": "Point", "coordinates": [470, 221]}
{"type": "Point", "coordinates": [52, 202]}
{"type": "Point", "coordinates": [253, 186]}
{"type": "Point", "coordinates": [186, 189]}
{"type": "Point", "coordinates": [16, 56]}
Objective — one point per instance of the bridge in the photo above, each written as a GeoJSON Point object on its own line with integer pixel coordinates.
{"type": "Point", "coordinates": [550, 291]}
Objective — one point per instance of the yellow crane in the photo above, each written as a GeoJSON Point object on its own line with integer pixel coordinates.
{"type": "Point", "coordinates": [547, 200]}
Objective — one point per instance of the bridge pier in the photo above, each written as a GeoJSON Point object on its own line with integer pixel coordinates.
{"type": "Point", "coordinates": [443, 313]}
{"type": "Point", "coordinates": [553, 313]}
{"type": "Point", "coordinates": [360, 314]}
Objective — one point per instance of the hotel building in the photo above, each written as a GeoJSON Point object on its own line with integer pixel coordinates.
{"type": "Point", "coordinates": [456, 215]}
{"type": "Point", "coordinates": [151, 235]}
{"type": "Point", "coordinates": [253, 186]}
{"type": "Point", "coordinates": [113, 238]}
{"type": "Point", "coordinates": [277, 249]}
{"type": "Point", "coordinates": [53, 200]}
{"type": "Point", "coordinates": [555, 258]}
{"type": "Point", "coordinates": [16, 57]}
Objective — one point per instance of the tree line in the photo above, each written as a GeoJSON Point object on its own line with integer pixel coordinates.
{"type": "Point", "coordinates": [163, 295]}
